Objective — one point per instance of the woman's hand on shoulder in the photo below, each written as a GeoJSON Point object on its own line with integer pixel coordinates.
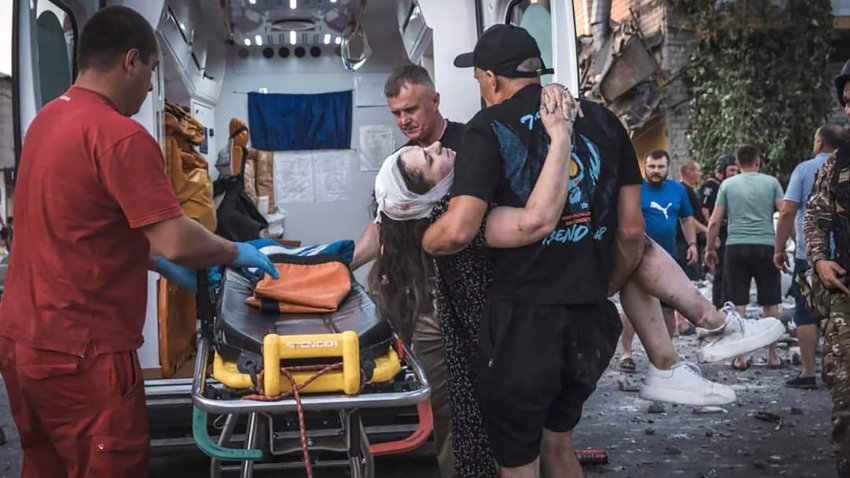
{"type": "Point", "coordinates": [558, 111]}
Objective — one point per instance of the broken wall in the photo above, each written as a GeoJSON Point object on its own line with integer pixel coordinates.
{"type": "Point", "coordinates": [676, 52]}
{"type": "Point", "coordinates": [655, 109]}
{"type": "Point", "coordinates": [651, 14]}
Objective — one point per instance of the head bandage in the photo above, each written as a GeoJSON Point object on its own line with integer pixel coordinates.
{"type": "Point", "coordinates": [396, 201]}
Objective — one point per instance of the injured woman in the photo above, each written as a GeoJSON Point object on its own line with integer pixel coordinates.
{"type": "Point", "coordinates": [412, 288]}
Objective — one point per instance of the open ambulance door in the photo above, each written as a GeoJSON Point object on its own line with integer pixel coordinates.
{"type": "Point", "coordinates": [45, 34]}
{"type": "Point", "coordinates": [435, 31]}
{"type": "Point", "coordinates": [552, 24]}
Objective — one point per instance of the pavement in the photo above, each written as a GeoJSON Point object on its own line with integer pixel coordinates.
{"type": "Point", "coordinates": [771, 431]}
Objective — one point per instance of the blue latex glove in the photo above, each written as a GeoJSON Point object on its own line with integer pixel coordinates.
{"type": "Point", "coordinates": [249, 257]}
{"type": "Point", "coordinates": [178, 274]}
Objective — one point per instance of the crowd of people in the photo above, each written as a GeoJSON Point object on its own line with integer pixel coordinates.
{"type": "Point", "coordinates": [515, 268]}
{"type": "Point", "coordinates": [478, 239]}
{"type": "Point", "coordinates": [494, 268]}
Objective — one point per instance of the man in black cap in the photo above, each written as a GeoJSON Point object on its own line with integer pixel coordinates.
{"type": "Point", "coordinates": [548, 330]}
{"type": "Point", "coordinates": [827, 221]}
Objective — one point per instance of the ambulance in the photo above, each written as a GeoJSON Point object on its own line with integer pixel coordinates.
{"type": "Point", "coordinates": [215, 57]}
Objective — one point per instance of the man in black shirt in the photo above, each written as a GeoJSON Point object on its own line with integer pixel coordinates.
{"type": "Point", "coordinates": [691, 173]}
{"type": "Point", "coordinates": [725, 166]}
{"type": "Point", "coordinates": [415, 105]}
{"type": "Point", "coordinates": [548, 330]}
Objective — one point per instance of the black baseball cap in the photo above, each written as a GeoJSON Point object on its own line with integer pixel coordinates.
{"type": "Point", "coordinates": [501, 49]}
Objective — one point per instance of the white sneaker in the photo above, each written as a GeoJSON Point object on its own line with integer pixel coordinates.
{"type": "Point", "coordinates": [740, 336]}
{"type": "Point", "coordinates": [685, 385]}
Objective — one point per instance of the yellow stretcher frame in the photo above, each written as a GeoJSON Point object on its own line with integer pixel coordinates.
{"type": "Point", "coordinates": [345, 345]}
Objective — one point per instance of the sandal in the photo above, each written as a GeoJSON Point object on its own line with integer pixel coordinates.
{"type": "Point", "coordinates": [627, 365]}
{"type": "Point", "coordinates": [740, 368]}
{"type": "Point", "coordinates": [763, 363]}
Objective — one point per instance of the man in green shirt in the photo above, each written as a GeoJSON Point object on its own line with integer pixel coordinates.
{"type": "Point", "coordinates": [749, 201]}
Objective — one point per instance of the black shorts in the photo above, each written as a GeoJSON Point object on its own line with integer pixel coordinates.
{"type": "Point", "coordinates": [744, 262]}
{"type": "Point", "coordinates": [538, 364]}
{"type": "Point", "coordinates": [693, 271]}
{"type": "Point", "coordinates": [718, 296]}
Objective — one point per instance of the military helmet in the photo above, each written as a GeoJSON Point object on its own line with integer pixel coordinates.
{"type": "Point", "coordinates": [722, 162]}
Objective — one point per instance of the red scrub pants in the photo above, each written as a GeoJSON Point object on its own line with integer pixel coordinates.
{"type": "Point", "coordinates": [77, 416]}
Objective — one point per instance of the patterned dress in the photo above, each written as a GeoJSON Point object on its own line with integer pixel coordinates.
{"type": "Point", "coordinates": [461, 280]}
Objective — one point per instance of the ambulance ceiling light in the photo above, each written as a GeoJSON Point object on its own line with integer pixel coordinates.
{"type": "Point", "coordinates": [247, 42]}
{"type": "Point", "coordinates": [259, 40]}
{"type": "Point", "coordinates": [293, 38]}
{"type": "Point", "coordinates": [327, 38]}
{"type": "Point", "coordinates": [293, 4]}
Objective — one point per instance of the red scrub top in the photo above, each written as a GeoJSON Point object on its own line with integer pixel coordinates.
{"type": "Point", "coordinates": [89, 179]}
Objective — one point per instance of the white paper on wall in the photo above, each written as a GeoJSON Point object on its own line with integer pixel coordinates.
{"type": "Point", "coordinates": [332, 176]}
{"type": "Point", "coordinates": [293, 177]}
{"type": "Point", "coordinates": [376, 143]}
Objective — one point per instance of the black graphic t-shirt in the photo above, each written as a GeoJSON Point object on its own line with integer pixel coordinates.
{"type": "Point", "coordinates": [451, 137]}
{"type": "Point", "coordinates": [501, 157]}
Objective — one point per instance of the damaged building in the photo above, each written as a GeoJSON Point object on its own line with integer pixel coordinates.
{"type": "Point", "coordinates": [634, 57]}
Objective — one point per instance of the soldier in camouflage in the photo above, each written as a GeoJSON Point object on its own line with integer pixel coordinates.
{"type": "Point", "coordinates": [827, 217]}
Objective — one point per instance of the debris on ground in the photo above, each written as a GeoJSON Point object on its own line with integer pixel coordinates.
{"type": "Point", "coordinates": [625, 384]}
{"type": "Point", "coordinates": [766, 416]}
{"type": "Point", "coordinates": [673, 450]}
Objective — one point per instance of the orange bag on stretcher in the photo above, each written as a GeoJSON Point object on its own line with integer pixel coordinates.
{"type": "Point", "coordinates": [307, 285]}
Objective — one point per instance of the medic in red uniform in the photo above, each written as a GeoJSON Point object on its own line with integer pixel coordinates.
{"type": "Point", "coordinates": [94, 211]}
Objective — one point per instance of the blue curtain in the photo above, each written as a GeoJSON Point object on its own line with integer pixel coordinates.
{"type": "Point", "coordinates": [297, 122]}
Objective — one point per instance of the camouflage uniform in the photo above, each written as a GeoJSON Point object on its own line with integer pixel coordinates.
{"type": "Point", "coordinates": [836, 360]}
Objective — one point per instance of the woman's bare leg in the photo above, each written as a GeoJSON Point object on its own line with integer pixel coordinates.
{"type": "Point", "coordinates": [668, 378]}
{"type": "Point", "coordinates": [660, 276]}
{"type": "Point", "coordinates": [647, 319]}
{"type": "Point", "coordinates": [627, 336]}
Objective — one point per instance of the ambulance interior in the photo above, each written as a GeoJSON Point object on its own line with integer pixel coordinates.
{"type": "Point", "coordinates": [213, 54]}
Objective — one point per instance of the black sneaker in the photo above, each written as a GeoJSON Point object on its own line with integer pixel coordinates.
{"type": "Point", "coordinates": [803, 383]}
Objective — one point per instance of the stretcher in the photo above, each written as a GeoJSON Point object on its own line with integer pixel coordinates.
{"type": "Point", "coordinates": [287, 390]}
